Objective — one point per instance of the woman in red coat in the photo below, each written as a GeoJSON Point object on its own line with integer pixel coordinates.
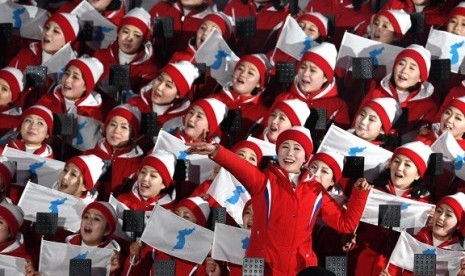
{"type": "Point", "coordinates": [286, 201]}
{"type": "Point", "coordinates": [11, 87]}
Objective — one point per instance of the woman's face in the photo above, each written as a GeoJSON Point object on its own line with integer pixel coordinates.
{"type": "Point", "coordinates": [456, 25]}
{"type": "Point", "coordinates": [453, 121]}
{"type": "Point", "coordinates": [73, 85]}
{"type": "Point", "coordinates": [164, 90]}
{"type": "Point", "coordinates": [94, 227]}
{"type": "Point", "coordinates": [248, 155]}
{"type": "Point", "coordinates": [310, 77]}
{"type": "Point", "coordinates": [204, 30]}
{"type": "Point", "coordinates": [150, 182]}
{"type": "Point", "coordinates": [382, 30]}
{"type": "Point", "coordinates": [291, 156]}
{"type": "Point", "coordinates": [277, 123]}
{"type": "Point", "coordinates": [70, 181]}
{"type": "Point", "coordinates": [406, 73]}
{"type": "Point", "coordinates": [53, 38]}
{"type": "Point", "coordinates": [34, 130]}
{"type": "Point", "coordinates": [4, 231]}
{"type": "Point", "coordinates": [247, 218]}
{"type": "Point", "coordinates": [185, 213]}
{"type": "Point", "coordinates": [5, 93]}
{"type": "Point", "coordinates": [323, 173]}
{"type": "Point", "coordinates": [130, 39]}
{"type": "Point", "coordinates": [403, 172]}
{"type": "Point", "coordinates": [445, 222]}
{"type": "Point", "coordinates": [100, 5]}
{"type": "Point", "coordinates": [196, 123]}
{"type": "Point", "coordinates": [310, 29]}
{"type": "Point", "coordinates": [118, 132]}
{"type": "Point", "coordinates": [192, 4]}
{"type": "Point", "coordinates": [368, 125]}
{"type": "Point", "coordinates": [246, 78]}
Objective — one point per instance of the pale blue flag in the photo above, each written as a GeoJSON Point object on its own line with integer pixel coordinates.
{"type": "Point", "coordinates": [230, 243]}
{"type": "Point", "coordinates": [445, 45]}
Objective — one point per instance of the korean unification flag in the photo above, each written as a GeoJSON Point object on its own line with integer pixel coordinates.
{"type": "Point", "coordinates": [200, 168]}
{"type": "Point", "coordinates": [177, 236]}
{"type": "Point", "coordinates": [357, 46]}
{"type": "Point", "coordinates": [447, 261]}
{"type": "Point", "coordinates": [104, 30]}
{"type": "Point", "coordinates": [31, 166]}
{"type": "Point", "coordinates": [268, 149]}
{"type": "Point", "coordinates": [12, 266]}
{"type": "Point", "coordinates": [445, 45]}
{"type": "Point", "coordinates": [229, 193]}
{"type": "Point", "coordinates": [453, 155]}
{"type": "Point", "coordinates": [37, 198]}
{"type": "Point", "coordinates": [347, 144]}
{"type": "Point", "coordinates": [55, 258]}
{"type": "Point", "coordinates": [57, 62]}
{"type": "Point", "coordinates": [230, 243]}
{"type": "Point", "coordinates": [87, 134]}
{"type": "Point", "coordinates": [217, 55]}
{"type": "Point", "coordinates": [27, 20]}
{"type": "Point", "coordinates": [293, 40]}
{"type": "Point", "coordinates": [413, 214]}
{"type": "Point", "coordinates": [120, 207]}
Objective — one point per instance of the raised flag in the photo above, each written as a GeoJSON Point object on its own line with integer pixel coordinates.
{"type": "Point", "coordinates": [30, 166]}
{"type": "Point", "coordinates": [229, 193]}
{"type": "Point", "coordinates": [453, 155]}
{"type": "Point", "coordinates": [37, 198]}
{"type": "Point", "coordinates": [55, 258]}
{"type": "Point", "coordinates": [357, 46]}
{"type": "Point", "coordinates": [347, 144]}
{"type": "Point", "coordinates": [445, 45]}
{"type": "Point", "coordinates": [104, 30]}
{"type": "Point", "coordinates": [27, 20]}
{"type": "Point", "coordinates": [413, 214]}
{"type": "Point", "coordinates": [447, 261]}
{"type": "Point", "coordinates": [293, 40]}
{"type": "Point", "coordinates": [12, 266]}
{"type": "Point", "coordinates": [230, 243]}
{"type": "Point", "coordinates": [57, 62]}
{"type": "Point", "coordinates": [200, 168]}
{"type": "Point", "coordinates": [177, 236]}
{"type": "Point", "coordinates": [217, 55]}
{"type": "Point", "coordinates": [88, 133]}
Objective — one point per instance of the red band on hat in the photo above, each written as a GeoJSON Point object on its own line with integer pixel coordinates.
{"type": "Point", "coordinates": [418, 58]}
{"type": "Point", "coordinates": [157, 164]}
{"type": "Point", "coordinates": [136, 22]}
{"type": "Point", "coordinates": [220, 21]}
{"type": "Point", "coordinates": [178, 78]}
{"type": "Point", "coordinates": [6, 175]}
{"type": "Point", "coordinates": [457, 208]}
{"type": "Point", "coordinates": [66, 28]}
{"type": "Point", "coordinates": [257, 62]}
{"type": "Point", "coordinates": [329, 160]}
{"type": "Point", "coordinates": [458, 104]}
{"type": "Point", "coordinates": [315, 20]}
{"type": "Point", "coordinates": [299, 137]}
{"type": "Point", "coordinates": [416, 159]}
{"type": "Point", "coordinates": [86, 73]}
{"type": "Point", "coordinates": [379, 109]}
{"type": "Point", "coordinates": [109, 216]}
{"type": "Point", "coordinates": [210, 113]}
{"type": "Point", "coordinates": [320, 62]}
{"type": "Point", "coordinates": [78, 162]}
{"type": "Point", "coordinates": [250, 145]}
{"type": "Point", "coordinates": [8, 216]}
{"type": "Point", "coordinates": [457, 11]}
{"type": "Point", "coordinates": [12, 82]}
{"type": "Point", "coordinates": [393, 21]}
{"type": "Point", "coordinates": [290, 113]}
{"type": "Point", "coordinates": [126, 114]}
{"type": "Point", "coordinates": [195, 209]}
{"type": "Point", "coordinates": [47, 117]}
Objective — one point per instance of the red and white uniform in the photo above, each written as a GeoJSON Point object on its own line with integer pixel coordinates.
{"type": "Point", "coordinates": [10, 116]}
{"type": "Point", "coordinates": [134, 201]}
{"type": "Point", "coordinates": [114, 16]}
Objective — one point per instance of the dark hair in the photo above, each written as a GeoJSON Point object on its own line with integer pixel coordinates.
{"type": "Point", "coordinates": [410, 89]}
{"type": "Point", "coordinates": [418, 188]}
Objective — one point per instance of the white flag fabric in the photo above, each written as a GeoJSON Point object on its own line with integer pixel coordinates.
{"type": "Point", "coordinates": [120, 207]}
{"type": "Point", "coordinates": [217, 55]}
{"type": "Point", "coordinates": [88, 133]}
{"type": "Point", "coordinates": [453, 155]}
{"type": "Point", "coordinates": [37, 198]}
{"type": "Point", "coordinates": [230, 243]}
{"type": "Point", "coordinates": [30, 166]}
{"type": "Point", "coordinates": [357, 46]}
{"type": "Point", "coordinates": [201, 166]}
{"type": "Point", "coordinates": [176, 236]}
{"type": "Point", "coordinates": [229, 193]}
{"type": "Point", "coordinates": [445, 45]}
{"type": "Point", "coordinates": [55, 258]}
{"type": "Point", "coordinates": [447, 261]}
{"type": "Point", "coordinates": [293, 40]}
{"type": "Point", "coordinates": [413, 214]}
{"type": "Point", "coordinates": [56, 64]}
{"type": "Point", "coordinates": [12, 266]}
{"type": "Point", "coordinates": [104, 30]}
{"type": "Point", "coordinates": [27, 21]}
{"type": "Point", "coordinates": [268, 149]}
{"type": "Point", "coordinates": [347, 144]}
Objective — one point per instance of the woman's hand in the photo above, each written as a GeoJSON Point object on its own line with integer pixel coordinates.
{"type": "Point", "coordinates": [114, 261]}
{"type": "Point", "coordinates": [462, 267]}
{"type": "Point", "coordinates": [212, 267]}
{"type": "Point", "coordinates": [384, 273]}
{"type": "Point", "coordinates": [202, 148]}
{"type": "Point", "coordinates": [362, 185]}
{"type": "Point", "coordinates": [134, 251]}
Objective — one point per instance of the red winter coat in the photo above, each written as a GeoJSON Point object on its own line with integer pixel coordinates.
{"type": "Point", "coordinates": [10, 116]}
{"type": "Point", "coordinates": [284, 217]}
{"type": "Point", "coordinates": [30, 56]}
{"type": "Point", "coordinates": [454, 92]}
{"type": "Point", "coordinates": [134, 201]}
{"type": "Point", "coordinates": [327, 98]}
{"type": "Point", "coordinates": [114, 16]}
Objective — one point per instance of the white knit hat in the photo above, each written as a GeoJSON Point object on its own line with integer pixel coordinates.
{"type": "Point", "coordinates": [299, 134]}
{"type": "Point", "coordinates": [13, 215]}
{"type": "Point", "coordinates": [91, 167]}
{"type": "Point", "coordinates": [199, 207]}
{"type": "Point", "coordinates": [7, 171]}
{"type": "Point", "coordinates": [400, 20]}
{"type": "Point", "coordinates": [139, 18]}
{"type": "Point", "coordinates": [68, 23]}
{"type": "Point", "coordinates": [318, 19]}
{"type": "Point", "coordinates": [459, 103]}
{"type": "Point", "coordinates": [130, 113]}
{"type": "Point", "coordinates": [183, 74]}
{"type": "Point", "coordinates": [417, 152]}
{"type": "Point", "coordinates": [215, 111]}
{"type": "Point", "coordinates": [261, 62]}
{"type": "Point", "coordinates": [108, 212]}
{"type": "Point", "coordinates": [15, 79]}
{"type": "Point", "coordinates": [91, 70]}
{"type": "Point", "coordinates": [457, 203]}
{"type": "Point", "coordinates": [164, 162]}
{"type": "Point", "coordinates": [333, 159]}
{"type": "Point", "coordinates": [421, 55]}
{"type": "Point", "coordinates": [458, 10]}
{"type": "Point", "coordinates": [41, 111]}
{"type": "Point", "coordinates": [387, 109]}
{"type": "Point", "coordinates": [296, 110]}
{"type": "Point", "coordinates": [224, 21]}
{"type": "Point", "coordinates": [324, 56]}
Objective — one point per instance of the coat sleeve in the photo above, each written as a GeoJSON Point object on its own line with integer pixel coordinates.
{"type": "Point", "coordinates": [247, 174]}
